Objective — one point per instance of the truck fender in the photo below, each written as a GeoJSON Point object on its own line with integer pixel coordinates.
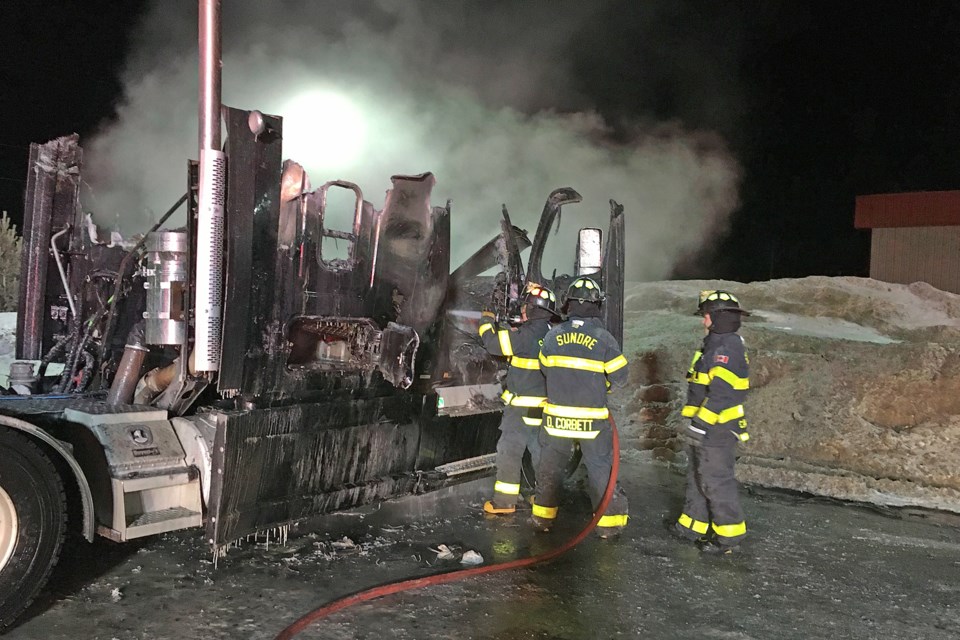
{"type": "Point", "coordinates": [64, 451]}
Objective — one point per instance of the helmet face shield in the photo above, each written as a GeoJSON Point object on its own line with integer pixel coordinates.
{"type": "Point", "coordinates": [718, 300]}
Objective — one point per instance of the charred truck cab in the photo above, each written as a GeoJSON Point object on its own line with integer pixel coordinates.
{"type": "Point", "coordinates": [338, 381]}
{"type": "Point", "coordinates": [233, 377]}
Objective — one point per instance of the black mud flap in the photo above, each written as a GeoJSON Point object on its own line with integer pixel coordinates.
{"type": "Point", "coordinates": [275, 466]}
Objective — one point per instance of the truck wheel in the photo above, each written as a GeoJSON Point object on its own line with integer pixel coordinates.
{"type": "Point", "coordinates": [32, 522]}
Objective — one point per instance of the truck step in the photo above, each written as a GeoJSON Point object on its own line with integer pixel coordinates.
{"type": "Point", "coordinates": [469, 465]}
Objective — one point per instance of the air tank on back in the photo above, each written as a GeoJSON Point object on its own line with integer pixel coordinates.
{"type": "Point", "coordinates": [165, 271]}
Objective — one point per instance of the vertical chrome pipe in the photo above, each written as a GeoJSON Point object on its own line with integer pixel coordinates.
{"type": "Point", "coordinates": [210, 66]}
{"type": "Point", "coordinates": [208, 299]}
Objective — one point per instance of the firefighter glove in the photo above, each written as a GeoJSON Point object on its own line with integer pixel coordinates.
{"type": "Point", "coordinates": [693, 434]}
{"type": "Point", "coordinates": [488, 314]}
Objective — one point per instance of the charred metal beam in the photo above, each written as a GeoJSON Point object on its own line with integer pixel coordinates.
{"type": "Point", "coordinates": [51, 202]}
{"type": "Point", "coordinates": [512, 279]}
{"type": "Point", "coordinates": [413, 255]}
{"type": "Point", "coordinates": [252, 225]}
{"type": "Point", "coordinates": [487, 257]}
{"type": "Point", "coordinates": [614, 273]}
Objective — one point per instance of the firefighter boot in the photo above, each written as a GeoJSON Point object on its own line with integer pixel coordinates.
{"type": "Point", "coordinates": [608, 533]}
{"type": "Point", "coordinates": [541, 525]}
{"type": "Point", "coordinates": [499, 507]}
{"type": "Point", "coordinates": [715, 549]}
{"type": "Point", "coordinates": [680, 532]}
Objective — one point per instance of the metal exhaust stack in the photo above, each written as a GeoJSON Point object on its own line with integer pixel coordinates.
{"type": "Point", "coordinates": [209, 263]}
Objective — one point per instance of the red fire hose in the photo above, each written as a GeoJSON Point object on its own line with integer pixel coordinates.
{"type": "Point", "coordinates": [459, 574]}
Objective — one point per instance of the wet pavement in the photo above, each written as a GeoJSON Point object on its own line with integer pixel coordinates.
{"type": "Point", "coordinates": [810, 569]}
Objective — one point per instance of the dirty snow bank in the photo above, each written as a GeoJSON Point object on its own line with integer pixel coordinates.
{"type": "Point", "coordinates": [8, 331]}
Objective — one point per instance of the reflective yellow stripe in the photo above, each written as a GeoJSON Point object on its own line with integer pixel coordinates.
{"type": "Point", "coordinates": [693, 363]}
{"type": "Point", "coordinates": [507, 488]}
{"type": "Point", "coordinates": [504, 336]}
{"type": "Point", "coordinates": [707, 416]}
{"type": "Point", "coordinates": [532, 422]}
{"type": "Point", "coordinates": [733, 413]}
{"type": "Point", "coordinates": [729, 530]}
{"type": "Point", "coordinates": [568, 362]}
{"type": "Point", "coordinates": [743, 436]}
{"type": "Point", "coordinates": [613, 521]}
{"type": "Point", "coordinates": [689, 410]}
{"type": "Point", "coordinates": [698, 378]}
{"type": "Point", "coordinates": [566, 433]}
{"type": "Point", "coordinates": [694, 525]}
{"type": "Point", "coordinates": [617, 363]}
{"type": "Point", "coordinates": [589, 413]}
{"type": "Point", "coordinates": [486, 327]}
{"type": "Point", "coordinates": [525, 363]}
{"type": "Point", "coordinates": [527, 401]}
{"type": "Point", "coordinates": [514, 400]}
{"type": "Point", "coordinates": [544, 512]}
{"type": "Point", "coordinates": [735, 381]}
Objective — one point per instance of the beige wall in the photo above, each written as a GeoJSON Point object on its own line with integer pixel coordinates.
{"type": "Point", "coordinates": [915, 254]}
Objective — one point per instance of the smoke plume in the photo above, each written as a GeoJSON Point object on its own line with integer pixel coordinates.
{"type": "Point", "coordinates": [476, 92]}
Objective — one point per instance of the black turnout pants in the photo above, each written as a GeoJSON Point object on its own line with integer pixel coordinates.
{"type": "Point", "coordinates": [598, 454]}
{"type": "Point", "coordinates": [713, 494]}
{"type": "Point", "coordinates": [515, 437]}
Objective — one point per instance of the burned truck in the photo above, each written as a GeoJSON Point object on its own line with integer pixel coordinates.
{"type": "Point", "coordinates": [242, 376]}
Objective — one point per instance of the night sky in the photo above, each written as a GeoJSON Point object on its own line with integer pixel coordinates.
{"type": "Point", "coordinates": [834, 99]}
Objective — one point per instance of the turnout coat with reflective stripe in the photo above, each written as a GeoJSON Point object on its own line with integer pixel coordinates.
{"type": "Point", "coordinates": [578, 358]}
{"type": "Point", "coordinates": [524, 386]}
{"type": "Point", "coordinates": [718, 380]}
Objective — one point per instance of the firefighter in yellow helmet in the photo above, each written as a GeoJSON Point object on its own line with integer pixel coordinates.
{"type": "Point", "coordinates": [580, 360]}
{"type": "Point", "coordinates": [524, 391]}
{"type": "Point", "coordinates": [718, 380]}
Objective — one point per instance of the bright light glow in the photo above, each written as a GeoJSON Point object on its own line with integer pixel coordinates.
{"type": "Point", "coordinates": [324, 131]}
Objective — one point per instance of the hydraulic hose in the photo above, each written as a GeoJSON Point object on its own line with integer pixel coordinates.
{"type": "Point", "coordinates": [459, 574]}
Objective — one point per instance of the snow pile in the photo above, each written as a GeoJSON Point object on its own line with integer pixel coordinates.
{"type": "Point", "coordinates": [8, 331]}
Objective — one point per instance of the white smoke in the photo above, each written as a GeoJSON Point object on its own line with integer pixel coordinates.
{"type": "Point", "coordinates": [462, 89]}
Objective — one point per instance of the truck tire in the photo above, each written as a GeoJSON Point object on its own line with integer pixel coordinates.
{"type": "Point", "coordinates": [33, 521]}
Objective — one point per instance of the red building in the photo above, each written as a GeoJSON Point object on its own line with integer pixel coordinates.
{"type": "Point", "coordinates": [915, 237]}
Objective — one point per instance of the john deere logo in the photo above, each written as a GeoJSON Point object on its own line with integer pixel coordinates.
{"type": "Point", "coordinates": [141, 436]}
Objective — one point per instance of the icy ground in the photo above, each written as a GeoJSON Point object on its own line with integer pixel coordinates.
{"type": "Point", "coordinates": [811, 569]}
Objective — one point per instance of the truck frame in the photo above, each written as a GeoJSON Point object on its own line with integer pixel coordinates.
{"type": "Point", "coordinates": [232, 377]}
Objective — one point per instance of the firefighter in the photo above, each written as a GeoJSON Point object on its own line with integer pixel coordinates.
{"type": "Point", "coordinates": [718, 380]}
{"type": "Point", "coordinates": [580, 361]}
{"type": "Point", "coordinates": [524, 393]}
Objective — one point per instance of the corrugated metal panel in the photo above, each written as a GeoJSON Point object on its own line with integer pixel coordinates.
{"type": "Point", "coordinates": [918, 254]}
{"type": "Point", "coordinates": [919, 209]}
